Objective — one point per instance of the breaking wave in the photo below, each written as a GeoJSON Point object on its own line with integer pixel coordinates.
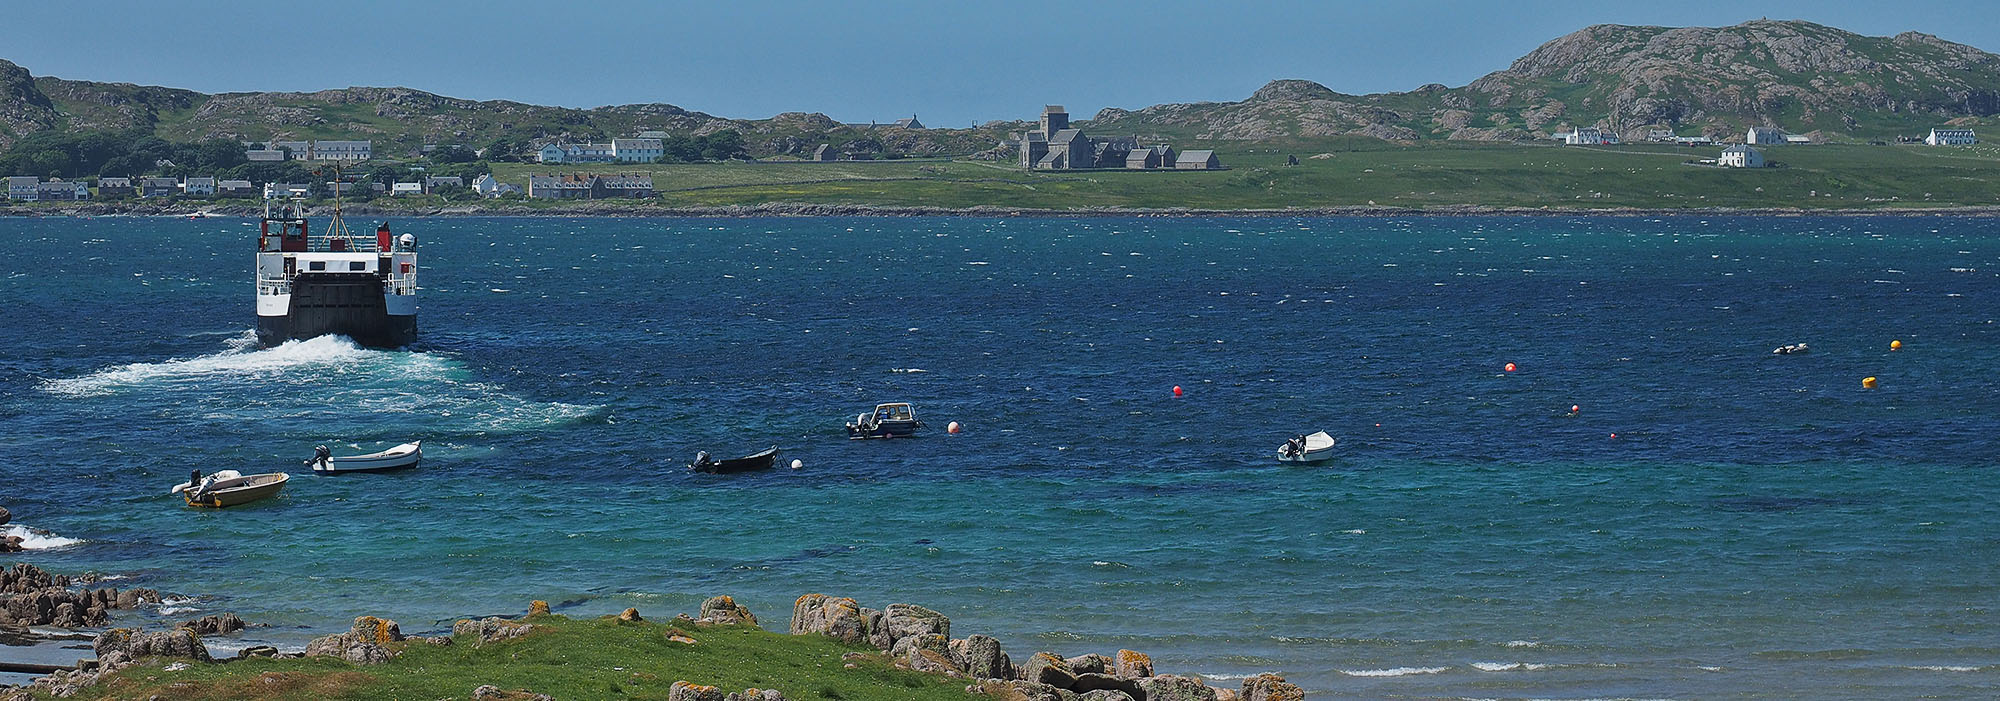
{"type": "Point", "coordinates": [38, 539]}
{"type": "Point", "coordinates": [1393, 671]}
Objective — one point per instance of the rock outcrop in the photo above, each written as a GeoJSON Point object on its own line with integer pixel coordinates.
{"type": "Point", "coordinates": [32, 597]}
{"type": "Point", "coordinates": [724, 610]}
{"type": "Point", "coordinates": [220, 624]}
{"type": "Point", "coordinates": [361, 644]}
{"type": "Point", "coordinates": [489, 630]}
{"type": "Point", "coordinates": [1270, 687]}
{"type": "Point", "coordinates": [835, 617]}
{"type": "Point", "coordinates": [179, 643]}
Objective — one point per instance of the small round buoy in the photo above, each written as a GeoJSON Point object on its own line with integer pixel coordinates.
{"type": "Point", "coordinates": [1868, 382]}
{"type": "Point", "coordinates": [1575, 409]}
{"type": "Point", "coordinates": [1177, 390]}
{"type": "Point", "coordinates": [1510, 367]}
{"type": "Point", "coordinates": [952, 427]}
{"type": "Point", "coordinates": [797, 463]}
{"type": "Point", "coordinates": [1614, 435]}
{"type": "Point", "coordinates": [1896, 345]}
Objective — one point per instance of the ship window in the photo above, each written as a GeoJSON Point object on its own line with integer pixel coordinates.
{"type": "Point", "coordinates": [316, 265]}
{"type": "Point", "coordinates": [357, 265]}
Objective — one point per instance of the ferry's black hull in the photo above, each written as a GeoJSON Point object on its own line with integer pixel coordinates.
{"type": "Point", "coordinates": [342, 304]}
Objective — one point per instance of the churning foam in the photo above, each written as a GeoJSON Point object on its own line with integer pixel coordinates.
{"type": "Point", "coordinates": [1508, 666]}
{"type": "Point", "coordinates": [1393, 671]}
{"type": "Point", "coordinates": [241, 361]}
{"type": "Point", "coordinates": [37, 539]}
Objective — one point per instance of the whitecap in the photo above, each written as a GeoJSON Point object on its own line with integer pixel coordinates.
{"type": "Point", "coordinates": [38, 539]}
{"type": "Point", "coordinates": [1508, 666]}
{"type": "Point", "coordinates": [320, 352]}
{"type": "Point", "coordinates": [907, 370]}
{"type": "Point", "coordinates": [1522, 643]}
{"type": "Point", "coordinates": [1945, 668]}
{"type": "Point", "coordinates": [1393, 671]}
{"type": "Point", "coordinates": [177, 610]}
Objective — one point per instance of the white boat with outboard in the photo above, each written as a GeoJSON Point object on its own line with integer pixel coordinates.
{"type": "Point", "coordinates": [326, 463]}
{"type": "Point", "coordinates": [889, 420]}
{"type": "Point", "coordinates": [230, 488]}
{"type": "Point", "coordinates": [1307, 448]}
{"type": "Point", "coordinates": [1793, 349]}
{"type": "Point", "coordinates": [334, 283]}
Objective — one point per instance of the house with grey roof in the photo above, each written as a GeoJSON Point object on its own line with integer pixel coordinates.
{"type": "Point", "coordinates": [159, 187]}
{"type": "Point", "coordinates": [60, 190]}
{"type": "Point", "coordinates": [22, 187]}
{"type": "Point", "coordinates": [910, 123]}
{"type": "Point", "coordinates": [825, 153]}
{"type": "Point", "coordinates": [1741, 156]}
{"type": "Point", "coordinates": [235, 188]}
{"type": "Point", "coordinates": [1157, 156]}
{"type": "Point", "coordinates": [198, 187]}
{"type": "Point", "coordinates": [1764, 135]}
{"type": "Point", "coordinates": [587, 186]}
{"type": "Point", "coordinates": [114, 187]}
{"type": "Point", "coordinates": [1200, 159]}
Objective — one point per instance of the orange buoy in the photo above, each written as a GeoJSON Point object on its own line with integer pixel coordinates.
{"type": "Point", "coordinates": [1868, 382]}
{"type": "Point", "coordinates": [1575, 409]}
{"type": "Point", "coordinates": [953, 427]}
{"type": "Point", "coordinates": [1896, 345]}
{"type": "Point", "coordinates": [1177, 390]}
{"type": "Point", "coordinates": [1510, 367]}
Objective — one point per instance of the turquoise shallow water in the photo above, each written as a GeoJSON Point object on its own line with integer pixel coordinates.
{"type": "Point", "coordinates": [1758, 526]}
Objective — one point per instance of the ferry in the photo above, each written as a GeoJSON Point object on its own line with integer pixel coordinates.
{"type": "Point", "coordinates": [334, 283]}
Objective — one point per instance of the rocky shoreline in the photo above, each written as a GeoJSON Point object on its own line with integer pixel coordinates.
{"type": "Point", "coordinates": [903, 636]}
{"type": "Point", "coordinates": [624, 208]}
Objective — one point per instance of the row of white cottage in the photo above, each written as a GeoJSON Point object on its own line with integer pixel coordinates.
{"type": "Point", "coordinates": [1760, 136]}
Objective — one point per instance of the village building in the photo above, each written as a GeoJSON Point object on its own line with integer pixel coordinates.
{"type": "Point", "coordinates": [586, 186]}
{"type": "Point", "coordinates": [1951, 137]}
{"type": "Point", "coordinates": [1157, 156]}
{"type": "Point", "coordinates": [159, 187]}
{"type": "Point", "coordinates": [409, 189]}
{"type": "Point", "coordinates": [825, 153]}
{"type": "Point", "coordinates": [641, 150]}
{"type": "Point", "coordinates": [1741, 156]}
{"type": "Point", "coordinates": [198, 187]}
{"type": "Point", "coordinates": [273, 191]}
{"type": "Point", "coordinates": [22, 188]}
{"type": "Point", "coordinates": [235, 188]}
{"type": "Point", "coordinates": [342, 150]}
{"type": "Point", "coordinates": [114, 187]}
{"type": "Point", "coordinates": [910, 123]}
{"type": "Point", "coordinates": [1068, 149]}
{"type": "Point", "coordinates": [431, 184]}
{"type": "Point", "coordinates": [264, 155]}
{"type": "Point", "coordinates": [60, 190]}
{"type": "Point", "coordinates": [1764, 135]}
{"type": "Point", "coordinates": [1201, 159]}
{"type": "Point", "coordinates": [486, 186]}
{"type": "Point", "coordinates": [1588, 136]}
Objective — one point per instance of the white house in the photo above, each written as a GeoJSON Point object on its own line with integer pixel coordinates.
{"type": "Point", "coordinates": [1592, 136]}
{"type": "Point", "coordinates": [637, 150]}
{"type": "Point", "coordinates": [274, 191]}
{"type": "Point", "coordinates": [198, 187]}
{"type": "Point", "coordinates": [343, 150]}
{"type": "Point", "coordinates": [552, 153]}
{"type": "Point", "coordinates": [1951, 137]}
{"type": "Point", "coordinates": [22, 187]}
{"type": "Point", "coordinates": [406, 189]}
{"type": "Point", "coordinates": [1741, 156]}
{"type": "Point", "coordinates": [1764, 135]}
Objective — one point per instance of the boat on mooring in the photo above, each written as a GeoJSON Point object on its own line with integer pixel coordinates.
{"type": "Point", "coordinates": [230, 488]}
{"type": "Point", "coordinates": [334, 283]}
{"type": "Point", "coordinates": [761, 460]}
{"type": "Point", "coordinates": [890, 420]}
{"type": "Point", "coordinates": [1307, 448]}
{"type": "Point", "coordinates": [326, 463]}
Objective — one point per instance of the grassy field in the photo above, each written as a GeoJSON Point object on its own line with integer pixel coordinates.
{"type": "Point", "coordinates": [570, 659]}
{"type": "Point", "coordinates": [1361, 172]}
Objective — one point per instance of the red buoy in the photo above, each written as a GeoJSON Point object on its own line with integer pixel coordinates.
{"type": "Point", "coordinates": [1510, 367]}
{"type": "Point", "coordinates": [1177, 390]}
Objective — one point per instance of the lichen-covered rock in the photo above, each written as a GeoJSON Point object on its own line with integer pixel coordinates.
{"type": "Point", "coordinates": [1225, 695]}
{"type": "Point", "coordinates": [489, 692]}
{"type": "Point", "coordinates": [256, 651]}
{"type": "Point", "coordinates": [725, 610]}
{"type": "Point", "coordinates": [367, 653]}
{"type": "Point", "coordinates": [489, 630]}
{"type": "Point", "coordinates": [689, 691]}
{"type": "Point", "coordinates": [924, 659]}
{"type": "Point", "coordinates": [1093, 681]}
{"type": "Point", "coordinates": [538, 607]}
{"type": "Point", "coordinates": [933, 642]}
{"type": "Point", "coordinates": [630, 615]}
{"type": "Point", "coordinates": [1270, 687]}
{"type": "Point", "coordinates": [1132, 665]}
{"type": "Point", "coordinates": [754, 694]}
{"type": "Point", "coordinates": [178, 643]}
{"type": "Point", "coordinates": [1024, 690]}
{"type": "Point", "coordinates": [904, 620]}
{"type": "Point", "coordinates": [1092, 663]}
{"type": "Point", "coordinates": [220, 624]}
{"type": "Point", "coordinates": [980, 657]}
{"type": "Point", "coordinates": [835, 617]}
{"type": "Point", "coordinates": [375, 630]}
{"type": "Point", "coordinates": [1046, 668]}
{"type": "Point", "coordinates": [66, 616]}
{"type": "Point", "coordinates": [1104, 695]}
{"type": "Point", "coordinates": [1169, 687]}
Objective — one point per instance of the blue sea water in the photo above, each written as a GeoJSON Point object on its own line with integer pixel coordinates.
{"type": "Point", "coordinates": [1715, 521]}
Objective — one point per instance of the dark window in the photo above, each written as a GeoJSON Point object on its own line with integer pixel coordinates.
{"type": "Point", "coordinates": [316, 265]}
{"type": "Point", "coordinates": [357, 265]}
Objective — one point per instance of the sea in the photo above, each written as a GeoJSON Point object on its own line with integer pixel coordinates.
{"type": "Point", "coordinates": [1569, 464]}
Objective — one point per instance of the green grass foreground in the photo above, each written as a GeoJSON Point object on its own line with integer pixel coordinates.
{"type": "Point", "coordinates": [569, 659]}
{"type": "Point", "coordinates": [1353, 172]}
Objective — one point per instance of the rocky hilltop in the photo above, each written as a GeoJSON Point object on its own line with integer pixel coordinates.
{"type": "Point", "coordinates": [1799, 76]}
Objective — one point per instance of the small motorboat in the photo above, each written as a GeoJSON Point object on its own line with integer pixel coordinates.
{"type": "Point", "coordinates": [1311, 448]}
{"type": "Point", "coordinates": [230, 488]}
{"type": "Point", "coordinates": [1793, 349]}
{"type": "Point", "coordinates": [891, 420]}
{"type": "Point", "coordinates": [406, 455]}
{"type": "Point", "coordinates": [762, 460]}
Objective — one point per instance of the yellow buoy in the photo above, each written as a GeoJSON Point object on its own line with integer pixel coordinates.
{"type": "Point", "coordinates": [1896, 345]}
{"type": "Point", "coordinates": [1868, 382]}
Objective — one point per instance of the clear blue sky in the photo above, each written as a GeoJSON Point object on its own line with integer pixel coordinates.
{"type": "Point", "coordinates": [949, 61]}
